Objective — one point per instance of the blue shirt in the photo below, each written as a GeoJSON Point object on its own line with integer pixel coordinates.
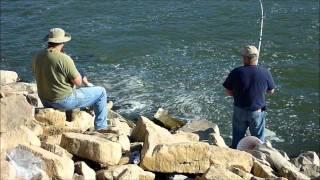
{"type": "Point", "coordinates": [249, 85]}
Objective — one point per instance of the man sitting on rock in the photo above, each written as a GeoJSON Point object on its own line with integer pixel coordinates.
{"type": "Point", "coordinates": [57, 77]}
{"type": "Point", "coordinates": [248, 85]}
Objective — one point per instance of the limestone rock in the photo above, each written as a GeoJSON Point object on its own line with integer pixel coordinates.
{"type": "Point", "coordinates": [56, 149]}
{"type": "Point", "coordinates": [244, 175]}
{"type": "Point", "coordinates": [7, 77]}
{"type": "Point", "coordinates": [35, 127]}
{"type": "Point", "coordinates": [50, 116]}
{"type": "Point", "coordinates": [308, 157]}
{"type": "Point", "coordinates": [58, 130]}
{"type": "Point", "coordinates": [7, 170]}
{"type": "Point", "coordinates": [84, 170]}
{"type": "Point", "coordinates": [20, 135]}
{"type": "Point", "coordinates": [19, 88]}
{"type": "Point", "coordinates": [122, 139]}
{"type": "Point", "coordinates": [125, 172]}
{"type": "Point", "coordinates": [261, 170]}
{"type": "Point", "coordinates": [311, 170]}
{"type": "Point", "coordinates": [34, 100]}
{"type": "Point", "coordinates": [54, 139]}
{"type": "Point", "coordinates": [92, 147]}
{"type": "Point", "coordinates": [216, 139]}
{"type": "Point", "coordinates": [218, 172]}
{"type": "Point", "coordinates": [54, 165]}
{"type": "Point", "coordinates": [187, 135]}
{"type": "Point", "coordinates": [201, 127]}
{"type": "Point", "coordinates": [15, 112]}
{"type": "Point", "coordinates": [279, 163]}
{"type": "Point", "coordinates": [81, 120]}
{"type": "Point", "coordinates": [167, 120]}
{"type": "Point", "coordinates": [116, 120]}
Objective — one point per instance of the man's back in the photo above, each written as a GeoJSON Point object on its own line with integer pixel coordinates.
{"type": "Point", "coordinates": [53, 71]}
{"type": "Point", "coordinates": [249, 84]}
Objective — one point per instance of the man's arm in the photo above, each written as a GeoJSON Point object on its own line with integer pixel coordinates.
{"type": "Point", "coordinates": [77, 80]}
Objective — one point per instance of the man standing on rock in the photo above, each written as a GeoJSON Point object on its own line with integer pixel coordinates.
{"type": "Point", "coordinates": [248, 85]}
{"type": "Point", "coordinates": [57, 77]}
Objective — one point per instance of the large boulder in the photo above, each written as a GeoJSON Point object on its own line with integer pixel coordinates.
{"type": "Point", "coordinates": [125, 172]}
{"type": "Point", "coordinates": [15, 111]}
{"type": "Point", "coordinates": [263, 171]}
{"type": "Point", "coordinates": [219, 172]}
{"type": "Point", "coordinates": [20, 88]}
{"type": "Point", "coordinates": [92, 147]}
{"type": "Point", "coordinates": [167, 120]}
{"type": "Point", "coordinates": [7, 170]}
{"type": "Point", "coordinates": [277, 162]}
{"type": "Point", "coordinates": [50, 116]}
{"type": "Point", "coordinates": [20, 135]}
{"type": "Point", "coordinates": [122, 139]}
{"type": "Point", "coordinates": [85, 171]}
{"type": "Point", "coordinates": [201, 127]}
{"type": "Point", "coordinates": [164, 152]}
{"type": "Point", "coordinates": [54, 166]}
{"type": "Point", "coordinates": [56, 149]}
{"type": "Point", "coordinates": [308, 157]}
{"type": "Point", "coordinates": [7, 77]}
{"type": "Point", "coordinates": [123, 125]}
{"type": "Point", "coordinates": [81, 120]}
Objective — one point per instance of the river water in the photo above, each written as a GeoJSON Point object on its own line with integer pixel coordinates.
{"type": "Point", "coordinates": [176, 54]}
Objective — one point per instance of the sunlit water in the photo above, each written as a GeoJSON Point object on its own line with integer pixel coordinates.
{"type": "Point", "coordinates": [176, 55]}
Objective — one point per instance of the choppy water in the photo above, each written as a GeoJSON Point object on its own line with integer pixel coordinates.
{"type": "Point", "coordinates": [176, 54]}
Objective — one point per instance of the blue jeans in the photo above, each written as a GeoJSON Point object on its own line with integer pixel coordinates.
{"type": "Point", "coordinates": [83, 97]}
{"type": "Point", "coordinates": [242, 119]}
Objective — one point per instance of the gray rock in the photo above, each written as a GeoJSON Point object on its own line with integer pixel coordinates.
{"type": "Point", "coordinates": [168, 120]}
{"type": "Point", "coordinates": [84, 170]}
{"type": "Point", "coordinates": [7, 77]}
{"type": "Point", "coordinates": [201, 127]}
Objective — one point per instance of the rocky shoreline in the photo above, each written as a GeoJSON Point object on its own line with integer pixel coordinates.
{"type": "Point", "coordinates": [40, 143]}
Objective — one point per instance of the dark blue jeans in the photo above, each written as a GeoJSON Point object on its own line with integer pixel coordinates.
{"type": "Point", "coordinates": [242, 119]}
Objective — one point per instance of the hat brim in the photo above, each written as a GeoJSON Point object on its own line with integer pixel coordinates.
{"type": "Point", "coordinates": [64, 39]}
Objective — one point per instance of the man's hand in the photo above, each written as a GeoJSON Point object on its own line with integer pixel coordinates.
{"type": "Point", "coordinates": [270, 91]}
{"type": "Point", "coordinates": [229, 92]}
{"type": "Point", "coordinates": [77, 81]}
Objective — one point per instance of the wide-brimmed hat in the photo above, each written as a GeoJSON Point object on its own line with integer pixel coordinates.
{"type": "Point", "coordinates": [57, 35]}
{"type": "Point", "coordinates": [249, 51]}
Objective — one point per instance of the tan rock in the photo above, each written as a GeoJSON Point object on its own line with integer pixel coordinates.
{"type": "Point", "coordinates": [81, 120]}
{"type": "Point", "coordinates": [85, 171]}
{"type": "Point", "coordinates": [122, 139]}
{"type": "Point", "coordinates": [15, 112]}
{"type": "Point", "coordinates": [217, 140]}
{"type": "Point", "coordinates": [54, 165]}
{"type": "Point", "coordinates": [116, 120]}
{"type": "Point", "coordinates": [244, 175]}
{"type": "Point", "coordinates": [35, 127]}
{"type": "Point", "coordinates": [167, 120]}
{"type": "Point", "coordinates": [261, 170]}
{"type": "Point", "coordinates": [50, 116]}
{"type": "Point", "coordinates": [7, 170]}
{"type": "Point", "coordinates": [19, 88]}
{"type": "Point", "coordinates": [125, 172]}
{"type": "Point", "coordinates": [201, 127]}
{"type": "Point", "coordinates": [34, 100]}
{"type": "Point", "coordinates": [163, 152]}
{"type": "Point", "coordinates": [58, 130]}
{"type": "Point", "coordinates": [187, 135]}
{"type": "Point", "coordinates": [7, 77]}
{"type": "Point", "coordinates": [21, 135]}
{"type": "Point", "coordinates": [56, 149]}
{"type": "Point", "coordinates": [219, 172]}
{"type": "Point", "coordinates": [54, 139]}
{"type": "Point", "coordinates": [92, 147]}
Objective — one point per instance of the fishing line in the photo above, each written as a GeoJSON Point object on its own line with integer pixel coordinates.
{"type": "Point", "coordinates": [261, 28]}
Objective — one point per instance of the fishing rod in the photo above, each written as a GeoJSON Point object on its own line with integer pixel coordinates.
{"type": "Point", "coordinates": [261, 28]}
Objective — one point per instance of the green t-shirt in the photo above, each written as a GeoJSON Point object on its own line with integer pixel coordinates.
{"type": "Point", "coordinates": [53, 71]}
